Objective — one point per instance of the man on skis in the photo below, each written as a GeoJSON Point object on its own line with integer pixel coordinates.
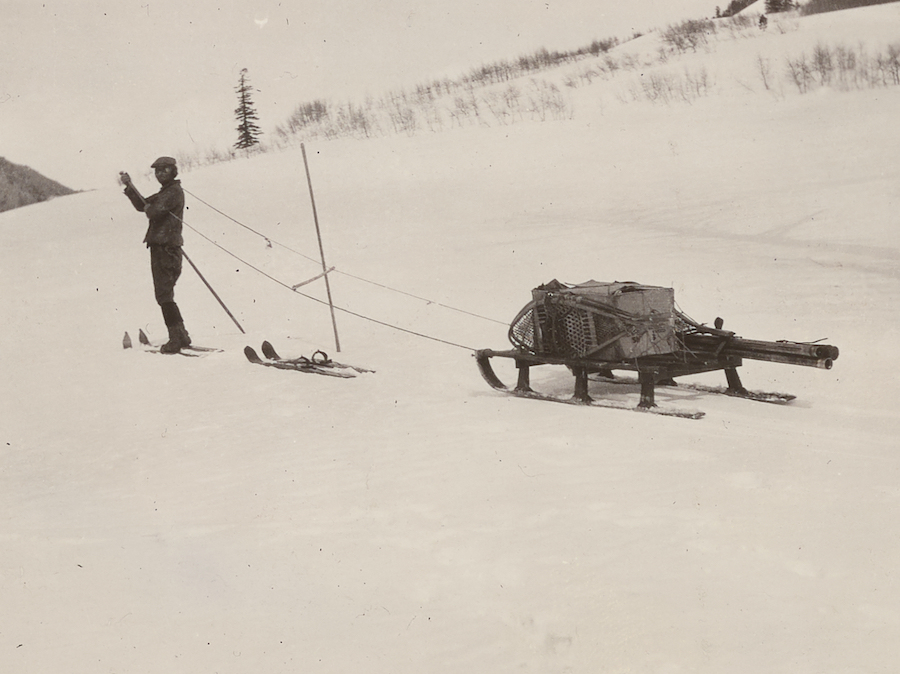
{"type": "Point", "coordinates": [164, 210]}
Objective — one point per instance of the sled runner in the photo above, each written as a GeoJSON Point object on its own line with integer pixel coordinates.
{"type": "Point", "coordinates": [596, 328]}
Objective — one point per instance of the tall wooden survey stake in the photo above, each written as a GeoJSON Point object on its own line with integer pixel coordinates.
{"type": "Point", "coordinates": [325, 270]}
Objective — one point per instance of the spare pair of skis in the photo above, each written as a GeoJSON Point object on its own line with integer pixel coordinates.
{"type": "Point", "coordinates": [318, 363]}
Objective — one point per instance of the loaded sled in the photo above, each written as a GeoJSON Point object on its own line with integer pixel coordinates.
{"type": "Point", "coordinates": [597, 328]}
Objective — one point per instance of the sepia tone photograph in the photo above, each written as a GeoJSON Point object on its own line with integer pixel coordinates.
{"type": "Point", "coordinates": [546, 337]}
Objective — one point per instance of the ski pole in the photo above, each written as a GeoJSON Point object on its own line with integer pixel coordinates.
{"type": "Point", "coordinates": [127, 182]}
{"type": "Point", "coordinates": [214, 293]}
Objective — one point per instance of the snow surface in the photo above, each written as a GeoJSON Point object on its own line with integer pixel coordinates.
{"type": "Point", "coordinates": [170, 514]}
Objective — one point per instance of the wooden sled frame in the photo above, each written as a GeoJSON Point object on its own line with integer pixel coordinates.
{"type": "Point", "coordinates": [651, 371]}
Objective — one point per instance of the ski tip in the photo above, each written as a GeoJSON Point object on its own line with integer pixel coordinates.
{"type": "Point", "coordinates": [142, 337]}
{"type": "Point", "coordinates": [269, 351]}
{"type": "Point", "coordinates": [126, 341]}
{"type": "Point", "coordinates": [251, 354]}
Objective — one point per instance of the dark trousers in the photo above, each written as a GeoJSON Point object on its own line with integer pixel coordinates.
{"type": "Point", "coordinates": [165, 265]}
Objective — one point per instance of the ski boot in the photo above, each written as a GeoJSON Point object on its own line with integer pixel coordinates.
{"type": "Point", "coordinates": [178, 339]}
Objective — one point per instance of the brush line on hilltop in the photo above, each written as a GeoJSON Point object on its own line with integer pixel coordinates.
{"type": "Point", "coordinates": [508, 92]}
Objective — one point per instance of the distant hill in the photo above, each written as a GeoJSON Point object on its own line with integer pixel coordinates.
{"type": "Point", "coordinates": [20, 186]}
{"type": "Point", "coordinates": [819, 6]}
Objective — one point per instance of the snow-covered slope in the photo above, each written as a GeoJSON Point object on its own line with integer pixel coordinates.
{"type": "Point", "coordinates": [208, 515]}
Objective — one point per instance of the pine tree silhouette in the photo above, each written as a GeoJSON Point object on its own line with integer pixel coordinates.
{"type": "Point", "coordinates": [245, 113]}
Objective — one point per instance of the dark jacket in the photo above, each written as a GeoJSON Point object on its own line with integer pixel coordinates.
{"type": "Point", "coordinates": [165, 209]}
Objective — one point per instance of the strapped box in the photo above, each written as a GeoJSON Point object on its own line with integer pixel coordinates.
{"type": "Point", "coordinates": [601, 321]}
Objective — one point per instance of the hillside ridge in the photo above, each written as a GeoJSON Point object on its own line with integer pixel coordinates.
{"type": "Point", "coordinates": [22, 186]}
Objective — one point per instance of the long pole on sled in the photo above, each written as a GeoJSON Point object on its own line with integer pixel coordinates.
{"type": "Point", "coordinates": [325, 270]}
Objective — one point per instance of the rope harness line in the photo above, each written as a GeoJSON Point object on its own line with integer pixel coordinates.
{"type": "Point", "coordinates": [316, 299]}
{"type": "Point", "coordinates": [271, 241]}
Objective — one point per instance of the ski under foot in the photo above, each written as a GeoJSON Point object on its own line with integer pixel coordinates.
{"type": "Point", "coordinates": [191, 351]}
{"type": "Point", "coordinates": [319, 358]}
{"type": "Point", "coordinates": [299, 366]}
{"type": "Point", "coordinates": [608, 404]}
{"type": "Point", "coordinates": [758, 396]}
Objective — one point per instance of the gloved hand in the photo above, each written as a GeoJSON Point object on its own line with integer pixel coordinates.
{"type": "Point", "coordinates": [124, 178]}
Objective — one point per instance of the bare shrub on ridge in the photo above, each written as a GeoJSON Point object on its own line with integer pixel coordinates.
{"type": "Point", "coordinates": [688, 35]}
{"type": "Point", "coordinates": [800, 72]}
{"type": "Point", "coordinates": [765, 71]}
{"type": "Point", "coordinates": [668, 87]}
{"type": "Point", "coordinates": [822, 63]}
{"type": "Point", "coordinates": [893, 62]}
{"type": "Point", "coordinates": [545, 101]}
{"type": "Point", "coordinates": [845, 68]}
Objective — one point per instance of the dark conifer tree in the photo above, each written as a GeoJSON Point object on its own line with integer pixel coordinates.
{"type": "Point", "coordinates": [248, 131]}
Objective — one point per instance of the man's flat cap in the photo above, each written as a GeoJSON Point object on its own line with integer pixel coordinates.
{"type": "Point", "coordinates": [163, 161]}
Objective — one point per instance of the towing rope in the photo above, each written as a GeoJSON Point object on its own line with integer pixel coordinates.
{"type": "Point", "coordinates": [271, 241]}
{"type": "Point", "coordinates": [316, 299]}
